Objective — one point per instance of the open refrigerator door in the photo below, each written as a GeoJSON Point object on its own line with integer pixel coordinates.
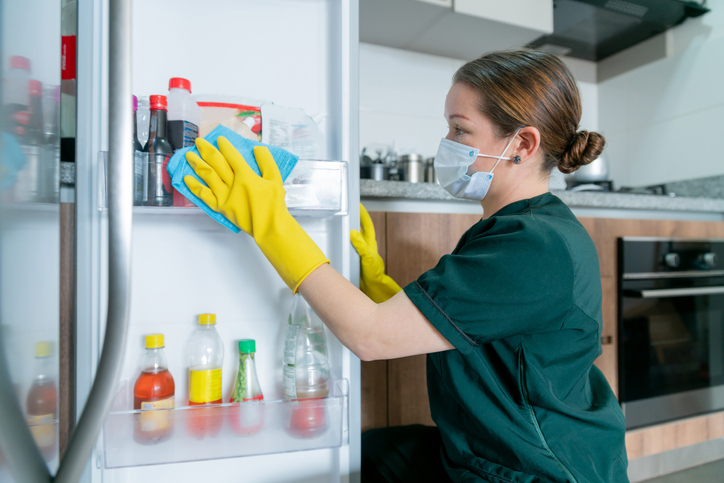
{"type": "Point", "coordinates": [301, 54]}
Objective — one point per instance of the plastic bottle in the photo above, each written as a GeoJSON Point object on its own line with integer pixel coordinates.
{"type": "Point", "coordinates": [138, 181]}
{"type": "Point", "coordinates": [154, 389]}
{"type": "Point", "coordinates": [205, 356]}
{"type": "Point", "coordinates": [248, 417]}
{"type": "Point", "coordinates": [42, 403]}
{"type": "Point", "coordinates": [306, 370]}
{"type": "Point", "coordinates": [159, 151]}
{"type": "Point", "coordinates": [184, 119]}
{"type": "Point", "coordinates": [16, 96]}
{"type": "Point", "coordinates": [184, 115]}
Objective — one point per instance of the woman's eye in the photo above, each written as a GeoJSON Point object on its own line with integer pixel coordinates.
{"type": "Point", "coordinates": [459, 132]}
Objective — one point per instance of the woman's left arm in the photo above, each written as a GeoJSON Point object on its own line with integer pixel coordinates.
{"type": "Point", "coordinates": [391, 329]}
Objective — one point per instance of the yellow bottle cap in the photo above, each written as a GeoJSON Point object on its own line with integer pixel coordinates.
{"type": "Point", "coordinates": [42, 349]}
{"type": "Point", "coordinates": [207, 319]}
{"type": "Point", "coordinates": [154, 341]}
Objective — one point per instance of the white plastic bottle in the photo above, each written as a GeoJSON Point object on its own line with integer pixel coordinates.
{"type": "Point", "coordinates": [206, 356]}
{"type": "Point", "coordinates": [306, 364]}
{"type": "Point", "coordinates": [184, 115]}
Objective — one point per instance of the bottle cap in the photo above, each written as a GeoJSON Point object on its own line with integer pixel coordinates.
{"type": "Point", "coordinates": [42, 349]}
{"type": "Point", "coordinates": [179, 83]}
{"type": "Point", "coordinates": [135, 103]}
{"type": "Point", "coordinates": [158, 103]}
{"type": "Point", "coordinates": [36, 88]}
{"type": "Point", "coordinates": [247, 346]}
{"type": "Point", "coordinates": [207, 319]}
{"type": "Point", "coordinates": [19, 62]}
{"type": "Point", "coordinates": [154, 341]}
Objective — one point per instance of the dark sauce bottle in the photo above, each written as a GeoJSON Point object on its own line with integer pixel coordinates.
{"type": "Point", "coordinates": [158, 181]}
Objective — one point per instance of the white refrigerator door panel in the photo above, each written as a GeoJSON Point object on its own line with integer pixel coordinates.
{"type": "Point", "coordinates": [301, 467]}
{"type": "Point", "coordinates": [295, 53]}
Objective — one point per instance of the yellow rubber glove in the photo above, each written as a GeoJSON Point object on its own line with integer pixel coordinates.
{"type": "Point", "coordinates": [373, 281]}
{"type": "Point", "coordinates": [256, 205]}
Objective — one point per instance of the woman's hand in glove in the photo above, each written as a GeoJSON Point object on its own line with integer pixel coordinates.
{"type": "Point", "coordinates": [373, 280]}
{"type": "Point", "coordinates": [255, 204]}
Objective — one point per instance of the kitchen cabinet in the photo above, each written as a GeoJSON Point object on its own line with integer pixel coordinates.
{"type": "Point", "coordinates": [461, 29]}
{"type": "Point", "coordinates": [411, 243]}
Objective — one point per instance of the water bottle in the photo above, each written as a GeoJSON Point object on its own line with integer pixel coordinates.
{"type": "Point", "coordinates": [306, 365]}
{"type": "Point", "coordinates": [205, 356]}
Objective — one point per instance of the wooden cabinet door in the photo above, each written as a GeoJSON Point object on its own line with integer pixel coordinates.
{"type": "Point", "coordinates": [415, 243]}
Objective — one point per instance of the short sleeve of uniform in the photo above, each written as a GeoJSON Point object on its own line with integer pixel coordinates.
{"type": "Point", "coordinates": [508, 275]}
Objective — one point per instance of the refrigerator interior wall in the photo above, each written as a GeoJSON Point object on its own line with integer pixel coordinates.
{"type": "Point", "coordinates": [288, 52]}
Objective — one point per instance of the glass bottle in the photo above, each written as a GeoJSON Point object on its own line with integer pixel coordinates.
{"type": "Point", "coordinates": [205, 356]}
{"type": "Point", "coordinates": [138, 181]}
{"type": "Point", "coordinates": [306, 370]}
{"type": "Point", "coordinates": [248, 417]}
{"type": "Point", "coordinates": [154, 389]}
{"type": "Point", "coordinates": [42, 403]}
{"type": "Point", "coordinates": [158, 181]}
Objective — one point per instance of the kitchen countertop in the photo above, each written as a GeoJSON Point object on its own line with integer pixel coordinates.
{"type": "Point", "coordinates": [401, 190]}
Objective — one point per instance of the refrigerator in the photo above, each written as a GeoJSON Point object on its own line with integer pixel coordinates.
{"type": "Point", "coordinates": [140, 270]}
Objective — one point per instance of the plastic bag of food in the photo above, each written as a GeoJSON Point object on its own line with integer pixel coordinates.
{"type": "Point", "coordinates": [241, 115]}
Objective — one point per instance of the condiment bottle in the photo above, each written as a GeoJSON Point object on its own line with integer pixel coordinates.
{"type": "Point", "coordinates": [158, 181]}
{"type": "Point", "coordinates": [154, 389]}
{"type": "Point", "coordinates": [184, 119]}
{"type": "Point", "coordinates": [306, 370]}
{"type": "Point", "coordinates": [248, 417]}
{"type": "Point", "coordinates": [138, 181]}
{"type": "Point", "coordinates": [42, 403]}
{"type": "Point", "coordinates": [206, 356]}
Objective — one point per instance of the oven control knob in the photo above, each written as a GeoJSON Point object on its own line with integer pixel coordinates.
{"type": "Point", "coordinates": [672, 260]}
{"type": "Point", "coordinates": [708, 259]}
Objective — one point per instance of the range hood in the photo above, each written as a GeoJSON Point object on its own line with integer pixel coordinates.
{"type": "Point", "coordinates": [596, 29]}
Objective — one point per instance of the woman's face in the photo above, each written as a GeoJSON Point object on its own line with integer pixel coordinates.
{"type": "Point", "coordinates": [467, 125]}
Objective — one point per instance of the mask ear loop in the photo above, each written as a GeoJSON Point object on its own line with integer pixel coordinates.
{"type": "Point", "coordinates": [500, 158]}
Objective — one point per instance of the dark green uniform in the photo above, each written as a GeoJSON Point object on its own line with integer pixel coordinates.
{"type": "Point", "coordinates": [520, 399]}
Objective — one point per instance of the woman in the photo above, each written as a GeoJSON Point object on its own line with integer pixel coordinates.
{"type": "Point", "coordinates": [511, 319]}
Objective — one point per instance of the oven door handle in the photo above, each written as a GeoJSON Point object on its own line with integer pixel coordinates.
{"type": "Point", "coordinates": [672, 292]}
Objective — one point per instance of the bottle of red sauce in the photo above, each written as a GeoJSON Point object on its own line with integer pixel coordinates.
{"type": "Point", "coordinates": [160, 191]}
{"type": "Point", "coordinates": [154, 389]}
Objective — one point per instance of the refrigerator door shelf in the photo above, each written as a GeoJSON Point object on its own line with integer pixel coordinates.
{"type": "Point", "coordinates": [314, 188]}
{"type": "Point", "coordinates": [226, 430]}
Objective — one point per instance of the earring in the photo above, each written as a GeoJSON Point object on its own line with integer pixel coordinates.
{"type": "Point", "coordinates": [516, 158]}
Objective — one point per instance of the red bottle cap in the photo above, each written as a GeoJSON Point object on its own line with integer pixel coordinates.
{"type": "Point", "coordinates": [18, 62]}
{"type": "Point", "coordinates": [36, 88]}
{"type": "Point", "coordinates": [179, 83]}
{"type": "Point", "coordinates": [158, 103]}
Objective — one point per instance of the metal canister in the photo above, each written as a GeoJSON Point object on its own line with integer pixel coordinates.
{"type": "Point", "coordinates": [430, 175]}
{"type": "Point", "coordinates": [412, 167]}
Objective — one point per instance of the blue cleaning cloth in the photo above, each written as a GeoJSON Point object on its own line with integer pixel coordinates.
{"type": "Point", "coordinates": [178, 167]}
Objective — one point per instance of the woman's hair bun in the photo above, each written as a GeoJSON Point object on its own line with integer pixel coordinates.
{"type": "Point", "coordinates": [583, 148]}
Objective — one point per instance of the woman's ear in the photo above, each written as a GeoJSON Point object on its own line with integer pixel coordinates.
{"type": "Point", "coordinates": [529, 143]}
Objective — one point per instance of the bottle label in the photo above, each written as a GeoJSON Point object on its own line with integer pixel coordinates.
{"type": "Point", "coordinates": [290, 345]}
{"type": "Point", "coordinates": [191, 132]}
{"type": "Point", "coordinates": [289, 382]}
{"type": "Point", "coordinates": [41, 427]}
{"type": "Point", "coordinates": [156, 421]}
{"type": "Point", "coordinates": [205, 386]}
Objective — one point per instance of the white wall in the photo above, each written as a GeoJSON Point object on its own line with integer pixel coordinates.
{"type": "Point", "coordinates": [402, 97]}
{"type": "Point", "coordinates": [661, 119]}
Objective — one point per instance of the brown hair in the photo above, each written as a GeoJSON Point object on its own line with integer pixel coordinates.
{"type": "Point", "coordinates": [531, 88]}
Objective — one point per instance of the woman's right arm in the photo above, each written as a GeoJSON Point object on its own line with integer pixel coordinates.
{"type": "Point", "coordinates": [388, 330]}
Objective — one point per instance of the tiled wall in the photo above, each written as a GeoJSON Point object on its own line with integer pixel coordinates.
{"type": "Point", "coordinates": [664, 120]}
{"type": "Point", "coordinates": [402, 96]}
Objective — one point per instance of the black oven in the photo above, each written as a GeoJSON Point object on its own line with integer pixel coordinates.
{"type": "Point", "coordinates": [670, 328]}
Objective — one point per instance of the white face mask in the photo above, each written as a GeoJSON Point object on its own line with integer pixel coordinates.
{"type": "Point", "coordinates": [452, 163]}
